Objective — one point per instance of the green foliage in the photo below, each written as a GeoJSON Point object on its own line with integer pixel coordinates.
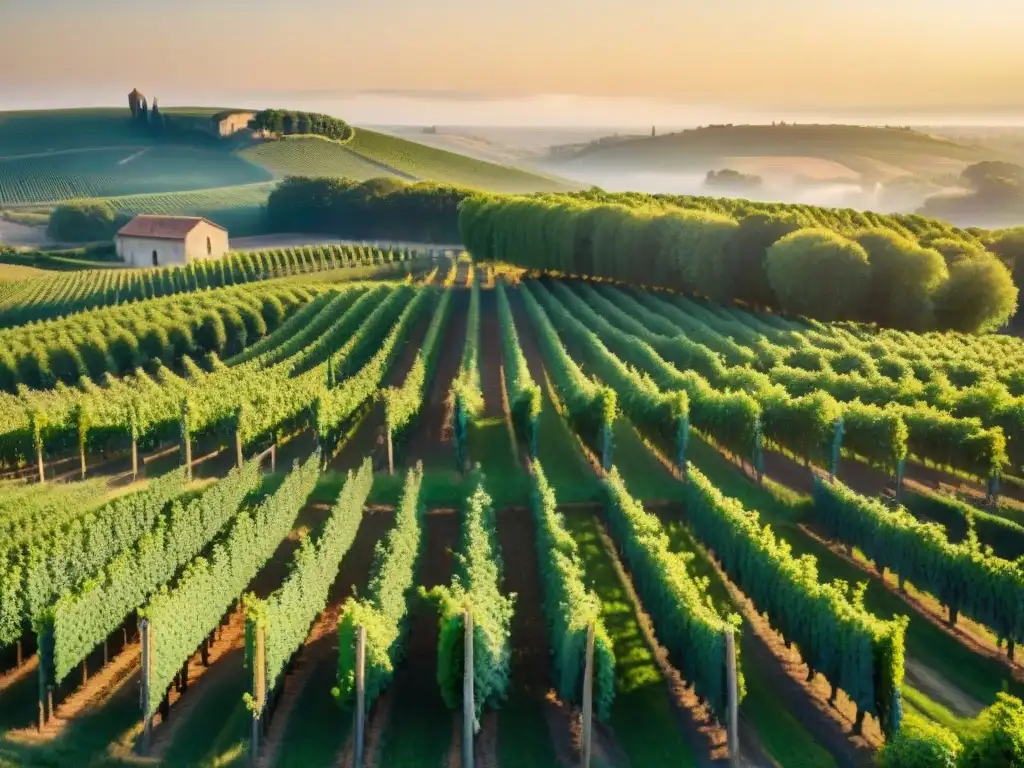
{"type": "Point", "coordinates": [837, 637]}
{"type": "Point", "coordinates": [920, 743]}
{"type": "Point", "coordinates": [904, 279]}
{"type": "Point", "coordinates": [383, 611]}
{"type": "Point", "coordinates": [475, 588]}
{"type": "Point", "coordinates": [287, 122]}
{"type": "Point", "coordinates": [287, 615]}
{"type": "Point", "coordinates": [403, 404]}
{"type": "Point", "coordinates": [386, 208]}
{"type": "Point", "coordinates": [49, 297]}
{"type": "Point", "coordinates": [961, 576]}
{"type": "Point", "coordinates": [685, 619]}
{"type": "Point", "coordinates": [570, 609]}
{"type": "Point", "coordinates": [45, 557]}
{"type": "Point", "coordinates": [465, 395]}
{"type": "Point", "coordinates": [978, 297]}
{"type": "Point", "coordinates": [336, 405]}
{"type": "Point", "coordinates": [524, 395]}
{"type": "Point", "coordinates": [1000, 738]}
{"type": "Point", "coordinates": [591, 407]}
{"type": "Point", "coordinates": [82, 618]}
{"type": "Point", "coordinates": [663, 417]}
{"type": "Point", "coordinates": [182, 616]}
{"type": "Point", "coordinates": [82, 222]}
{"type": "Point", "coordinates": [818, 273]}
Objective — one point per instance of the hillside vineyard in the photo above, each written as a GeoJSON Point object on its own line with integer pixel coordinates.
{"type": "Point", "coordinates": [337, 503]}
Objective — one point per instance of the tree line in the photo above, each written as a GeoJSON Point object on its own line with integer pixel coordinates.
{"type": "Point", "coordinates": [378, 208]}
{"type": "Point", "coordinates": [769, 261]}
{"type": "Point", "coordinates": [286, 122]}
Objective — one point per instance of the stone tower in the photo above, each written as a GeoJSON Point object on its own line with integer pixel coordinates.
{"type": "Point", "coordinates": [135, 101]}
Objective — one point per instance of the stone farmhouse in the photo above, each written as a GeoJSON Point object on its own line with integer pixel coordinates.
{"type": "Point", "coordinates": [161, 241]}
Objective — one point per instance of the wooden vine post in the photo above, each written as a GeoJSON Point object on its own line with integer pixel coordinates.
{"type": "Point", "coordinates": [186, 439]}
{"type": "Point", "coordinates": [360, 714]}
{"type": "Point", "coordinates": [259, 690]}
{"type": "Point", "coordinates": [588, 698]}
{"type": "Point", "coordinates": [147, 671]}
{"type": "Point", "coordinates": [239, 418]}
{"type": "Point", "coordinates": [391, 454]}
{"type": "Point", "coordinates": [468, 702]}
{"type": "Point", "coordinates": [732, 693]}
{"type": "Point", "coordinates": [45, 657]}
{"type": "Point", "coordinates": [133, 418]}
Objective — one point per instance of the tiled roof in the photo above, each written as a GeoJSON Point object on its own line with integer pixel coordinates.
{"type": "Point", "coordinates": [162, 227]}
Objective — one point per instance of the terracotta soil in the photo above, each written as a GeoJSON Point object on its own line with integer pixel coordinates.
{"type": "Point", "coordinates": [319, 654]}
{"type": "Point", "coordinates": [430, 439]}
{"type": "Point", "coordinates": [530, 672]}
{"type": "Point", "coordinates": [415, 681]}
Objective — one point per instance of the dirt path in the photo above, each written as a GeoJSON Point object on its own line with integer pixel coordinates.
{"type": "Point", "coordinates": [318, 656]}
{"type": "Point", "coordinates": [420, 729]}
{"type": "Point", "coordinates": [532, 701]}
{"type": "Point", "coordinates": [430, 440]}
{"type": "Point", "coordinates": [490, 355]}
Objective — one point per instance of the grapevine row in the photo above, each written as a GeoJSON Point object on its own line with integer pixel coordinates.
{"type": "Point", "coordinates": [182, 616]}
{"type": "Point", "coordinates": [382, 612]}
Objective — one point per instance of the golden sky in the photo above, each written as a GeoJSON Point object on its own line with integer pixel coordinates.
{"type": "Point", "coordinates": [799, 54]}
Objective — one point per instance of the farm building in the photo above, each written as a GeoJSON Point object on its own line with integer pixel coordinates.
{"type": "Point", "coordinates": [232, 123]}
{"type": "Point", "coordinates": [160, 241]}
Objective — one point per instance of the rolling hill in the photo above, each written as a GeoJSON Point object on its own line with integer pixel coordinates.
{"type": "Point", "coordinates": [845, 152]}
{"type": "Point", "coordinates": [50, 156]}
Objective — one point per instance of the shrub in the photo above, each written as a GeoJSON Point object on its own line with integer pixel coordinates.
{"type": "Point", "coordinates": [82, 222]}
{"type": "Point", "coordinates": [920, 744]}
{"type": "Point", "coordinates": [818, 273]}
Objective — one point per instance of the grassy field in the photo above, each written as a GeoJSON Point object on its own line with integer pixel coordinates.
{"type": "Point", "coordinates": [872, 153]}
{"type": "Point", "coordinates": [423, 162]}
{"type": "Point", "coordinates": [49, 156]}
{"type": "Point", "coordinates": [314, 156]}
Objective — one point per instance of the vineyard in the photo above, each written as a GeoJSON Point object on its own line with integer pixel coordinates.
{"type": "Point", "coordinates": [102, 172]}
{"type": "Point", "coordinates": [345, 506]}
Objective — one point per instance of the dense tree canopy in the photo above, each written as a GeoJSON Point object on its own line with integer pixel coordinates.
{"type": "Point", "coordinates": [818, 273]}
{"type": "Point", "coordinates": [904, 279]}
{"type": "Point", "coordinates": [979, 296]}
{"type": "Point", "coordinates": [285, 122]}
{"type": "Point", "coordinates": [378, 208]}
{"type": "Point", "coordinates": [84, 222]}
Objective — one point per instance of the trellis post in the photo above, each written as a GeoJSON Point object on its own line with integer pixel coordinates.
{"type": "Point", "coordinates": [588, 697]}
{"type": "Point", "coordinates": [732, 694]}
{"type": "Point", "coordinates": [360, 693]}
{"type": "Point", "coordinates": [391, 454]}
{"type": "Point", "coordinates": [468, 702]}
{"type": "Point", "coordinates": [147, 671]}
{"type": "Point", "coordinates": [259, 691]}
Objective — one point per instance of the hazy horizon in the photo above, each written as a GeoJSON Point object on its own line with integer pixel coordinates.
{"type": "Point", "coordinates": [673, 62]}
{"type": "Point", "coordinates": [469, 109]}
